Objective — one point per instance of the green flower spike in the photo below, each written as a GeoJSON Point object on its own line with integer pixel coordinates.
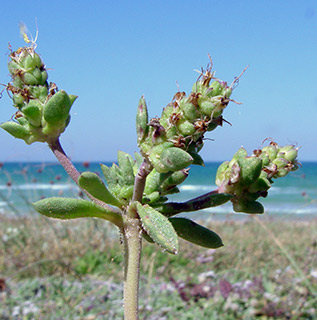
{"type": "Point", "coordinates": [248, 178]}
{"type": "Point", "coordinates": [172, 142]}
{"type": "Point", "coordinates": [42, 110]}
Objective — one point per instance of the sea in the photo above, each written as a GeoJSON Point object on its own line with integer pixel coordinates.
{"type": "Point", "coordinates": [291, 197]}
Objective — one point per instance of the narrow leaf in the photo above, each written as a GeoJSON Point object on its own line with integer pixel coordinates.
{"type": "Point", "coordinates": [142, 126]}
{"type": "Point", "coordinates": [110, 176]}
{"type": "Point", "coordinates": [137, 163]}
{"type": "Point", "coordinates": [158, 228]}
{"type": "Point", "coordinates": [126, 168]}
{"type": "Point", "coordinates": [195, 233]}
{"type": "Point", "coordinates": [94, 185]}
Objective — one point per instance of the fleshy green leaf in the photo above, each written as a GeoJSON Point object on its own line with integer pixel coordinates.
{"type": "Point", "coordinates": [33, 112]}
{"type": "Point", "coordinates": [158, 228]}
{"type": "Point", "coordinates": [248, 207]}
{"type": "Point", "coordinates": [155, 180]}
{"type": "Point", "coordinates": [67, 208]}
{"type": "Point", "coordinates": [57, 108]}
{"type": "Point", "coordinates": [198, 160]}
{"type": "Point", "coordinates": [174, 179]}
{"type": "Point", "coordinates": [250, 169]}
{"type": "Point", "coordinates": [174, 159]}
{"type": "Point", "coordinates": [16, 130]}
{"type": "Point", "coordinates": [195, 233]}
{"type": "Point", "coordinates": [94, 185]}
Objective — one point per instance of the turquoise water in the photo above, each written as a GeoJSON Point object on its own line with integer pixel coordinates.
{"type": "Point", "coordinates": [23, 183]}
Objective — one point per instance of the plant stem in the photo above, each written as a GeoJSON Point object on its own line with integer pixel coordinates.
{"type": "Point", "coordinates": [140, 179]}
{"type": "Point", "coordinates": [64, 160]}
{"type": "Point", "coordinates": [67, 164]}
{"type": "Point", "coordinates": [132, 247]}
{"type": "Point", "coordinates": [207, 200]}
{"type": "Point", "coordinates": [132, 257]}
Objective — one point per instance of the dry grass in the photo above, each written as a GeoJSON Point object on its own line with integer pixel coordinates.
{"type": "Point", "coordinates": [277, 256]}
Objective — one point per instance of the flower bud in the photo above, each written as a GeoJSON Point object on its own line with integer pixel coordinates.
{"type": "Point", "coordinates": [186, 128]}
{"type": "Point", "coordinates": [189, 110]}
{"type": "Point", "coordinates": [289, 153]}
{"type": "Point", "coordinates": [206, 106]}
{"type": "Point", "coordinates": [271, 150]}
{"type": "Point", "coordinates": [215, 89]}
{"type": "Point", "coordinates": [32, 61]}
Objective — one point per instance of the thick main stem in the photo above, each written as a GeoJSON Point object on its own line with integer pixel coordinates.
{"type": "Point", "coordinates": [132, 248]}
{"type": "Point", "coordinates": [132, 257]}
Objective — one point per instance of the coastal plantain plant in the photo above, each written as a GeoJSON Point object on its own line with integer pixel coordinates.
{"type": "Point", "coordinates": [134, 196]}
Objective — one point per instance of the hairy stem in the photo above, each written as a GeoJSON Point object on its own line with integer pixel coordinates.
{"type": "Point", "coordinates": [132, 247]}
{"type": "Point", "coordinates": [132, 257]}
{"type": "Point", "coordinates": [64, 160]}
{"type": "Point", "coordinates": [140, 179]}
{"type": "Point", "coordinates": [67, 164]}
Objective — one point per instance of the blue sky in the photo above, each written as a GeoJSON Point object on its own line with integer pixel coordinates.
{"type": "Point", "coordinates": [109, 53]}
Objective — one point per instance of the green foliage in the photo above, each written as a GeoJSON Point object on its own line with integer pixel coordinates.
{"type": "Point", "coordinates": [67, 208]}
{"type": "Point", "coordinates": [195, 233]}
{"type": "Point", "coordinates": [95, 261]}
{"type": "Point", "coordinates": [158, 227]}
{"type": "Point", "coordinates": [120, 178]}
{"type": "Point", "coordinates": [139, 188]}
{"type": "Point", "coordinates": [90, 182]}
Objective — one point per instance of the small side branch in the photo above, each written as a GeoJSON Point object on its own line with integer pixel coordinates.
{"type": "Point", "coordinates": [74, 173]}
{"type": "Point", "coordinates": [140, 179]}
{"type": "Point", "coordinates": [64, 160]}
{"type": "Point", "coordinates": [208, 200]}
